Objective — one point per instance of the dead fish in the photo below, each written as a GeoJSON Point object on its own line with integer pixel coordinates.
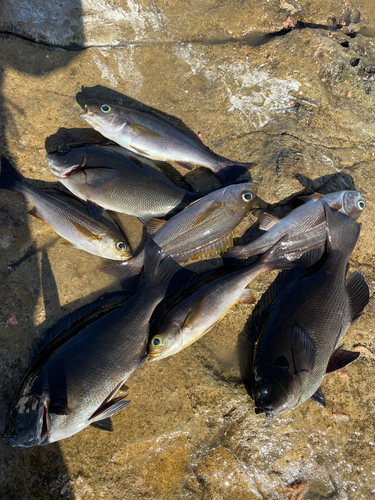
{"type": "Point", "coordinates": [193, 317]}
{"type": "Point", "coordinates": [83, 361]}
{"type": "Point", "coordinates": [105, 178]}
{"type": "Point", "coordinates": [305, 227]}
{"type": "Point", "coordinates": [153, 137]}
{"type": "Point", "coordinates": [202, 229]}
{"type": "Point", "coordinates": [299, 322]}
{"type": "Point", "coordinates": [69, 217]}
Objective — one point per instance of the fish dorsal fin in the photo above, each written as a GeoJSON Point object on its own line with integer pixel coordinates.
{"type": "Point", "coordinates": [340, 358]}
{"type": "Point", "coordinates": [319, 398]}
{"type": "Point", "coordinates": [94, 210]}
{"type": "Point", "coordinates": [104, 425]}
{"type": "Point", "coordinates": [83, 230]}
{"type": "Point", "coordinates": [358, 293]}
{"type": "Point", "coordinates": [108, 408]}
{"type": "Point", "coordinates": [154, 225]}
{"type": "Point", "coordinates": [35, 213]}
{"type": "Point", "coordinates": [141, 131]}
{"type": "Point", "coordinates": [266, 221]}
{"type": "Point", "coordinates": [303, 349]}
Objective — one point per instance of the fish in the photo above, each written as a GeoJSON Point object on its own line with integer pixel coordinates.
{"type": "Point", "coordinates": [201, 230]}
{"type": "Point", "coordinates": [299, 322]}
{"type": "Point", "coordinates": [107, 179]}
{"type": "Point", "coordinates": [184, 323]}
{"type": "Point", "coordinates": [69, 217]}
{"type": "Point", "coordinates": [305, 226]}
{"type": "Point", "coordinates": [156, 138]}
{"type": "Point", "coordinates": [84, 360]}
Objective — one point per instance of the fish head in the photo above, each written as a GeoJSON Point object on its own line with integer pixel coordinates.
{"type": "Point", "coordinates": [111, 247]}
{"type": "Point", "coordinates": [353, 203]}
{"type": "Point", "coordinates": [66, 160]}
{"type": "Point", "coordinates": [105, 116]}
{"type": "Point", "coordinates": [28, 422]}
{"type": "Point", "coordinates": [168, 341]}
{"type": "Point", "coordinates": [277, 390]}
{"type": "Point", "coordinates": [240, 197]}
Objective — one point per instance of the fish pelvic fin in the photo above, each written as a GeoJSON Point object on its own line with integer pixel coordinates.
{"type": "Point", "coordinates": [319, 398]}
{"type": "Point", "coordinates": [340, 358]}
{"type": "Point", "coordinates": [109, 408]}
{"type": "Point", "coordinates": [9, 177]}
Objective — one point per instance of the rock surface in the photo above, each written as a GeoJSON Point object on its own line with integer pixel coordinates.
{"type": "Point", "coordinates": [302, 107]}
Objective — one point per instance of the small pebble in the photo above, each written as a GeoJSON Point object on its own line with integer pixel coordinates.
{"type": "Point", "coordinates": [342, 373]}
{"type": "Point", "coordinates": [340, 417]}
{"type": "Point", "coordinates": [366, 352]}
{"type": "Point", "coordinates": [12, 320]}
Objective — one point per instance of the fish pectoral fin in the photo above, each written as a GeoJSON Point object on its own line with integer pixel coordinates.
{"type": "Point", "coordinates": [108, 408]}
{"type": "Point", "coordinates": [319, 398]}
{"type": "Point", "coordinates": [83, 230]}
{"type": "Point", "coordinates": [104, 425]}
{"type": "Point", "coordinates": [247, 297]}
{"type": "Point", "coordinates": [35, 213]}
{"type": "Point", "coordinates": [303, 349]}
{"type": "Point", "coordinates": [59, 407]}
{"type": "Point", "coordinates": [94, 210]}
{"type": "Point", "coordinates": [154, 225]}
{"type": "Point", "coordinates": [98, 177]}
{"type": "Point", "coordinates": [340, 358]}
{"type": "Point", "coordinates": [71, 245]}
{"type": "Point", "coordinates": [193, 319]}
{"type": "Point", "coordinates": [183, 164]}
{"type": "Point", "coordinates": [207, 212]}
{"type": "Point", "coordinates": [266, 221]}
{"type": "Point", "coordinates": [140, 131]}
{"type": "Point", "coordinates": [316, 196]}
{"type": "Point", "coordinates": [358, 293]}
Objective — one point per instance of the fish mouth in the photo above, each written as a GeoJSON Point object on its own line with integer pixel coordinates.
{"type": "Point", "coordinates": [89, 112]}
{"type": "Point", "coordinates": [268, 411]}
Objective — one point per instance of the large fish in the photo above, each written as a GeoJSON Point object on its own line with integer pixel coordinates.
{"type": "Point", "coordinates": [155, 138]}
{"type": "Point", "coordinates": [305, 227]}
{"type": "Point", "coordinates": [84, 360]}
{"type": "Point", "coordinates": [106, 178]}
{"type": "Point", "coordinates": [202, 229]}
{"type": "Point", "coordinates": [69, 217]}
{"type": "Point", "coordinates": [298, 324]}
{"type": "Point", "coordinates": [192, 317]}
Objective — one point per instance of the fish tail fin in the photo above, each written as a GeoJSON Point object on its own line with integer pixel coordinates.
{"type": "Point", "coordinates": [128, 273]}
{"type": "Point", "coordinates": [342, 231]}
{"type": "Point", "coordinates": [230, 171]}
{"type": "Point", "coordinates": [158, 271]}
{"type": "Point", "coordinates": [235, 255]}
{"type": "Point", "coordinates": [9, 177]}
{"type": "Point", "coordinates": [276, 257]}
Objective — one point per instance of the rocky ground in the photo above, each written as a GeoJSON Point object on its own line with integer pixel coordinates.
{"type": "Point", "coordinates": [289, 85]}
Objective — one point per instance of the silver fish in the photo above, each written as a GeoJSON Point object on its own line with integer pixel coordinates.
{"type": "Point", "coordinates": [83, 361]}
{"type": "Point", "coordinates": [69, 217]}
{"type": "Point", "coordinates": [299, 323]}
{"type": "Point", "coordinates": [305, 227]}
{"type": "Point", "coordinates": [153, 137]}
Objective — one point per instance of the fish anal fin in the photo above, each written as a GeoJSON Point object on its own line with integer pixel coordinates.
{"type": "Point", "coordinates": [340, 358]}
{"type": "Point", "coordinates": [247, 297]}
{"type": "Point", "coordinates": [154, 225]}
{"type": "Point", "coordinates": [266, 221]}
{"type": "Point", "coordinates": [193, 319]}
{"type": "Point", "coordinates": [108, 408]}
{"type": "Point", "coordinates": [35, 213]}
{"type": "Point", "coordinates": [303, 349]}
{"type": "Point", "coordinates": [319, 398]}
{"type": "Point", "coordinates": [140, 131]}
{"type": "Point", "coordinates": [94, 210]}
{"type": "Point", "coordinates": [218, 246]}
{"type": "Point", "coordinates": [358, 293]}
{"type": "Point", "coordinates": [103, 425]}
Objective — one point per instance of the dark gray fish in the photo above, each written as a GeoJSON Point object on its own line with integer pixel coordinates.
{"type": "Point", "coordinates": [153, 137]}
{"type": "Point", "coordinates": [69, 217]}
{"type": "Point", "coordinates": [106, 178]}
{"type": "Point", "coordinates": [305, 227]}
{"type": "Point", "coordinates": [299, 323]}
{"type": "Point", "coordinates": [83, 361]}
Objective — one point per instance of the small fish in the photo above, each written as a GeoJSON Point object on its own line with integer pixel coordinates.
{"type": "Point", "coordinates": [107, 179]}
{"type": "Point", "coordinates": [299, 322]}
{"type": "Point", "coordinates": [153, 137]}
{"type": "Point", "coordinates": [305, 227]}
{"type": "Point", "coordinates": [195, 315]}
{"type": "Point", "coordinates": [84, 360]}
{"type": "Point", "coordinates": [201, 230]}
{"type": "Point", "coordinates": [69, 217]}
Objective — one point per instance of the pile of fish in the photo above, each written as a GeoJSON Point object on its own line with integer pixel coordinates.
{"type": "Point", "coordinates": [80, 365]}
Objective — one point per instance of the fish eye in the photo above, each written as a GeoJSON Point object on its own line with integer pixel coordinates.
{"type": "Point", "coordinates": [361, 204]}
{"type": "Point", "coordinates": [14, 413]}
{"type": "Point", "coordinates": [105, 108]}
{"type": "Point", "coordinates": [246, 196]}
{"type": "Point", "coordinates": [121, 246]}
{"type": "Point", "coordinates": [64, 149]}
{"type": "Point", "coordinates": [264, 389]}
{"type": "Point", "coordinates": [157, 342]}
